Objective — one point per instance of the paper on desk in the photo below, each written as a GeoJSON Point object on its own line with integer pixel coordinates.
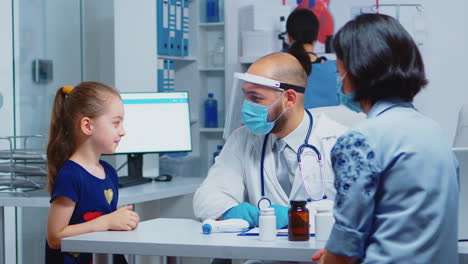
{"type": "Point", "coordinates": [255, 232]}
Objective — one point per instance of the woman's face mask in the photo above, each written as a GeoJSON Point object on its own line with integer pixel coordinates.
{"type": "Point", "coordinates": [255, 116]}
{"type": "Point", "coordinates": [346, 99]}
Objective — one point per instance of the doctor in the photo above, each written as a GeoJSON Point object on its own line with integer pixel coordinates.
{"type": "Point", "coordinates": [277, 125]}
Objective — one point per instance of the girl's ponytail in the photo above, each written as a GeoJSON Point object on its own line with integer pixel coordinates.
{"type": "Point", "coordinates": [61, 143]}
{"type": "Point", "coordinates": [298, 51]}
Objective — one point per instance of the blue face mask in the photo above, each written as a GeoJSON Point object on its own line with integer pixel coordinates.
{"type": "Point", "coordinates": [255, 117]}
{"type": "Point", "coordinates": [346, 99]}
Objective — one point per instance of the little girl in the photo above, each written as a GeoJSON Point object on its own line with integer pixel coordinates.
{"type": "Point", "coordinates": [87, 120]}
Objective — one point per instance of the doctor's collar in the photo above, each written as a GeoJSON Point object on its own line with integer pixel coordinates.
{"type": "Point", "coordinates": [277, 85]}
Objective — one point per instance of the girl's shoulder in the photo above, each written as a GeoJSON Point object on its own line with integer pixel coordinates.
{"type": "Point", "coordinates": [69, 169]}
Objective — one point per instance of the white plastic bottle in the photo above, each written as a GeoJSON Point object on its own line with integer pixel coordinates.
{"type": "Point", "coordinates": [323, 223]}
{"type": "Point", "coordinates": [229, 225]}
{"type": "Point", "coordinates": [267, 224]}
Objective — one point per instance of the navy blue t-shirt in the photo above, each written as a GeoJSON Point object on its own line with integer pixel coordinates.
{"type": "Point", "coordinates": [93, 197]}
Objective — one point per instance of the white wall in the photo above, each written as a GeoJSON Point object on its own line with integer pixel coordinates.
{"type": "Point", "coordinates": [444, 52]}
{"type": "Point", "coordinates": [445, 60]}
{"type": "Point", "coordinates": [135, 45]}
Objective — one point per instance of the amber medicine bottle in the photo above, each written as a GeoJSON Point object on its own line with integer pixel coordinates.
{"type": "Point", "coordinates": [298, 228]}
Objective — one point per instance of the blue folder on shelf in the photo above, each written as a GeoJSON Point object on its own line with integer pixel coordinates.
{"type": "Point", "coordinates": [172, 27]}
{"type": "Point", "coordinates": [163, 26]}
{"type": "Point", "coordinates": [178, 30]}
{"type": "Point", "coordinates": [171, 76]}
{"type": "Point", "coordinates": [165, 86]}
{"type": "Point", "coordinates": [160, 75]}
{"type": "Point", "coordinates": [185, 28]}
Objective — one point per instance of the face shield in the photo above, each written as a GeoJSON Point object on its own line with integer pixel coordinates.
{"type": "Point", "coordinates": [234, 105]}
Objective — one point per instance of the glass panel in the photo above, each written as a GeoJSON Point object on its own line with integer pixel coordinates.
{"type": "Point", "coordinates": [47, 41]}
{"type": "Point", "coordinates": [47, 55]}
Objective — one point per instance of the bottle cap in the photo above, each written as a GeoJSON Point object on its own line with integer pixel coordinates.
{"type": "Point", "coordinates": [206, 228]}
{"type": "Point", "coordinates": [324, 208]}
{"type": "Point", "coordinates": [220, 147]}
{"type": "Point", "coordinates": [210, 95]}
{"type": "Point", "coordinates": [298, 203]}
{"type": "Point", "coordinates": [267, 211]}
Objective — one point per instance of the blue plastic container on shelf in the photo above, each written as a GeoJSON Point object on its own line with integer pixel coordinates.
{"type": "Point", "coordinates": [212, 11]}
{"type": "Point", "coordinates": [211, 111]}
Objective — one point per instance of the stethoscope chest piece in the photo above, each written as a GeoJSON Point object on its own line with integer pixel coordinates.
{"type": "Point", "coordinates": [263, 203]}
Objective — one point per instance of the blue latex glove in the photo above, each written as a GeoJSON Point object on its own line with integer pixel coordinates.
{"type": "Point", "coordinates": [244, 211]}
{"type": "Point", "coordinates": [281, 213]}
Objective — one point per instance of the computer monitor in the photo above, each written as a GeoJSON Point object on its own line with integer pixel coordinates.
{"type": "Point", "coordinates": [154, 122]}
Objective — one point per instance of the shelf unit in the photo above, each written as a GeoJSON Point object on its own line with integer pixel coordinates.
{"type": "Point", "coordinates": [212, 130]}
{"type": "Point", "coordinates": [217, 69]}
{"type": "Point", "coordinates": [177, 58]}
{"type": "Point", "coordinates": [212, 80]}
{"type": "Point", "coordinates": [212, 24]}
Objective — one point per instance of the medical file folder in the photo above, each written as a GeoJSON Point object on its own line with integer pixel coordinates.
{"type": "Point", "coordinates": [168, 76]}
{"type": "Point", "coordinates": [163, 26]}
{"type": "Point", "coordinates": [185, 28]}
{"type": "Point", "coordinates": [160, 75]}
{"type": "Point", "coordinates": [178, 30]}
{"type": "Point", "coordinates": [165, 86]}
{"type": "Point", "coordinates": [171, 75]}
{"type": "Point", "coordinates": [172, 27]}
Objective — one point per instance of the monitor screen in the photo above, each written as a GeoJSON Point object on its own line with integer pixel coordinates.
{"type": "Point", "coordinates": [155, 122]}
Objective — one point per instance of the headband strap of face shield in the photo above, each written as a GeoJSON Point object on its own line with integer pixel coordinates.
{"type": "Point", "coordinates": [277, 85]}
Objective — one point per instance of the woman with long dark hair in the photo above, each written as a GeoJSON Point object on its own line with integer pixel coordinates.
{"type": "Point", "coordinates": [302, 29]}
{"type": "Point", "coordinates": [396, 175]}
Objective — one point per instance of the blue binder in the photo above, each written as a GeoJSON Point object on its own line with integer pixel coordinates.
{"type": "Point", "coordinates": [185, 28]}
{"type": "Point", "coordinates": [178, 38]}
{"type": "Point", "coordinates": [165, 87]}
{"type": "Point", "coordinates": [160, 75]}
{"type": "Point", "coordinates": [172, 27]}
{"type": "Point", "coordinates": [163, 26]}
{"type": "Point", "coordinates": [171, 76]}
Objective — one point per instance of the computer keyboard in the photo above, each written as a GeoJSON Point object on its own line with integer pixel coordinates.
{"type": "Point", "coordinates": [131, 181]}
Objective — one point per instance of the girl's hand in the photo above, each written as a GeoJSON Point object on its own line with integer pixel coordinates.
{"type": "Point", "coordinates": [123, 219]}
{"type": "Point", "coordinates": [318, 255]}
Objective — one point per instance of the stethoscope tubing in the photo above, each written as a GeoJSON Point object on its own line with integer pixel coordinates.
{"type": "Point", "coordinates": [299, 160]}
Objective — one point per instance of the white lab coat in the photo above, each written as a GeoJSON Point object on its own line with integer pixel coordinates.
{"type": "Point", "coordinates": [235, 176]}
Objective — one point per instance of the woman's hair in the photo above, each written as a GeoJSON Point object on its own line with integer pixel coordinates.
{"type": "Point", "coordinates": [302, 26]}
{"type": "Point", "coordinates": [87, 99]}
{"type": "Point", "coordinates": [380, 57]}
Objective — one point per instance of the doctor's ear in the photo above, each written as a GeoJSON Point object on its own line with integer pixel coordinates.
{"type": "Point", "coordinates": [291, 98]}
{"type": "Point", "coordinates": [86, 125]}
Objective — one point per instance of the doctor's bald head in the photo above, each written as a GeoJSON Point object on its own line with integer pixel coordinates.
{"type": "Point", "coordinates": [282, 67]}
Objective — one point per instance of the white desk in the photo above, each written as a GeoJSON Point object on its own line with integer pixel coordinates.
{"type": "Point", "coordinates": [129, 195]}
{"type": "Point", "coordinates": [184, 238]}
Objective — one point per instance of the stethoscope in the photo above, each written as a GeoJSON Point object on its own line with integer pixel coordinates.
{"type": "Point", "coordinates": [264, 201]}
